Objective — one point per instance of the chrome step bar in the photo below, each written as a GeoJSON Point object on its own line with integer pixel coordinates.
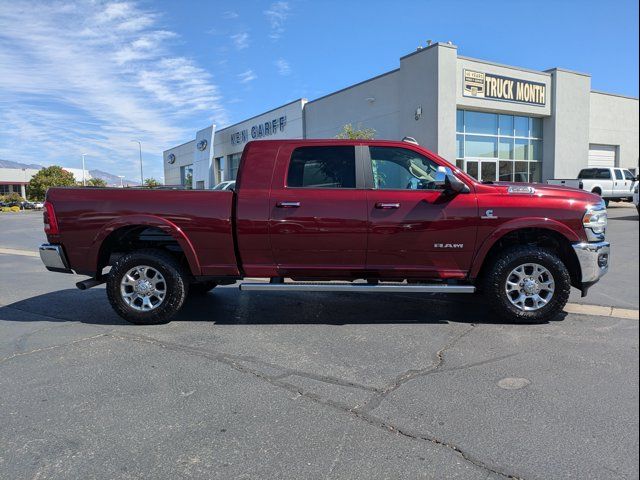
{"type": "Point", "coordinates": [357, 287]}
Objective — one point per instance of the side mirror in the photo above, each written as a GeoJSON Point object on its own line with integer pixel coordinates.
{"type": "Point", "coordinates": [447, 180]}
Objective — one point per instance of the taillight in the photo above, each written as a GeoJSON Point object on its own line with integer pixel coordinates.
{"type": "Point", "coordinates": [50, 221]}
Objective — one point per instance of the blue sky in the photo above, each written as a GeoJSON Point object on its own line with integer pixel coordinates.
{"type": "Point", "coordinates": [88, 77]}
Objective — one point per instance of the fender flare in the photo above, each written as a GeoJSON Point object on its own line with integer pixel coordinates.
{"type": "Point", "coordinates": [149, 221]}
{"type": "Point", "coordinates": [518, 224]}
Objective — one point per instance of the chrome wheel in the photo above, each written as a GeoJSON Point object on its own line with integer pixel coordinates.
{"type": "Point", "coordinates": [143, 288]}
{"type": "Point", "coordinates": [529, 286]}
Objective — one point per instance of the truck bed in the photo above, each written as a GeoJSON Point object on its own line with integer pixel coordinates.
{"type": "Point", "coordinates": [200, 221]}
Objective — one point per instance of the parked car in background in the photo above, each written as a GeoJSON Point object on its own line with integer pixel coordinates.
{"type": "Point", "coordinates": [227, 185]}
{"type": "Point", "coordinates": [608, 182]}
{"type": "Point", "coordinates": [385, 216]}
{"type": "Point", "coordinates": [635, 198]}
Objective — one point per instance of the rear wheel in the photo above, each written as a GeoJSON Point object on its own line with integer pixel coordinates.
{"type": "Point", "coordinates": [146, 287]}
{"type": "Point", "coordinates": [527, 285]}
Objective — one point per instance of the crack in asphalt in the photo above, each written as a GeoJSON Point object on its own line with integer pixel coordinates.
{"type": "Point", "coordinates": [366, 416]}
{"type": "Point", "coordinates": [411, 374]}
{"type": "Point", "coordinates": [51, 347]}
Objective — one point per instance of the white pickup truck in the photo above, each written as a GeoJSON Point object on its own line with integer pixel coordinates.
{"type": "Point", "coordinates": [610, 183]}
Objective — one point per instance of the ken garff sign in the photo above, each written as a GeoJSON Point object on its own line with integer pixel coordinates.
{"type": "Point", "coordinates": [260, 130]}
{"type": "Point", "coordinates": [507, 89]}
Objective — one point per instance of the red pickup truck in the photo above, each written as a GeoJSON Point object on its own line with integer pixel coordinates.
{"type": "Point", "coordinates": [332, 215]}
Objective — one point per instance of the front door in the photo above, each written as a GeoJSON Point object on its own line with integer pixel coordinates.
{"type": "Point", "coordinates": [318, 211]}
{"type": "Point", "coordinates": [416, 229]}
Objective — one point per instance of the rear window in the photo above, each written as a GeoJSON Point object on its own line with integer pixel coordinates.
{"type": "Point", "coordinates": [618, 174]}
{"type": "Point", "coordinates": [595, 174]}
{"type": "Point", "coordinates": [322, 167]}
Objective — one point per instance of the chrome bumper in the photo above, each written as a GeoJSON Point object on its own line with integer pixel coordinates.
{"type": "Point", "coordinates": [594, 260]}
{"type": "Point", "coordinates": [54, 258]}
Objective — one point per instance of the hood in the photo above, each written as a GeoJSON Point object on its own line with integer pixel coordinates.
{"type": "Point", "coordinates": [545, 190]}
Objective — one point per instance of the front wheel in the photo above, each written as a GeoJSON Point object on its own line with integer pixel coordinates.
{"type": "Point", "coordinates": [527, 285]}
{"type": "Point", "coordinates": [146, 287]}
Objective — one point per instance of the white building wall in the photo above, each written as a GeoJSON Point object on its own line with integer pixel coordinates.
{"type": "Point", "coordinates": [566, 132]}
{"type": "Point", "coordinates": [184, 155]}
{"type": "Point", "coordinates": [370, 104]}
{"type": "Point", "coordinates": [613, 120]}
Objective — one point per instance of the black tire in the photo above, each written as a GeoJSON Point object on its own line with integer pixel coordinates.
{"type": "Point", "coordinates": [494, 283]}
{"type": "Point", "coordinates": [174, 276]}
{"type": "Point", "coordinates": [201, 288]}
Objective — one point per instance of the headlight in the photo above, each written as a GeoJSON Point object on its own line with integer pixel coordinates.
{"type": "Point", "coordinates": [595, 222]}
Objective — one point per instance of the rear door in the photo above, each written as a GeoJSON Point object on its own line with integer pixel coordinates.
{"type": "Point", "coordinates": [416, 229]}
{"type": "Point", "coordinates": [318, 222]}
{"type": "Point", "coordinates": [619, 188]}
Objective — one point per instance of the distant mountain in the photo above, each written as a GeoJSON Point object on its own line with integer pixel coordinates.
{"type": "Point", "coordinates": [10, 164]}
{"type": "Point", "coordinates": [112, 180]}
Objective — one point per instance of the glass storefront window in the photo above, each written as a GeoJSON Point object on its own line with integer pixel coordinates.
{"type": "Point", "coordinates": [472, 168]}
{"type": "Point", "coordinates": [521, 126]}
{"type": "Point", "coordinates": [535, 172]}
{"type": "Point", "coordinates": [505, 125]}
{"type": "Point", "coordinates": [536, 127]}
{"type": "Point", "coordinates": [480, 146]}
{"type": "Point", "coordinates": [460, 121]}
{"type": "Point", "coordinates": [536, 150]}
{"type": "Point", "coordinates": [521, 149]}
{"type": "Point", "coordinates": [186, 176]}
{"type": "Point", "coordinates": [521, 173]}
{"type": "Point", "coordinates": [503, 147]}
{"type": "Point", "coordinates": [482, 123]}
{"type": "Point", "coordinates": [459, 146]}
{"type": "Point", "coordinates": [233, 162]}
{"type": "Point", "coordinates": [506, 172]}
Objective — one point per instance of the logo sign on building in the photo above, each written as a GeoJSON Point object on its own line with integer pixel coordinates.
{"type": "Point", "coordinates": [496, 87]}
{"type": "Point", "coordinates": [260, 130]}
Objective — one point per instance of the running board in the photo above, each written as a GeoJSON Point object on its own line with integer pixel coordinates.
{"type": "Point", "coordinates": [357, 287]}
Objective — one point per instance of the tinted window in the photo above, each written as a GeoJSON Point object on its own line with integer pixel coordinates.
{"type": "Point", "coordinates": [603, 173]}
{"type": "Point", "coordinates": [618, 174]}
{"type": "Point", "coordinates": [401, 169]}
{"type": "Point", "coordinates": [595, 173]}
{"type": "Point", "coordinates": [322, 167]}
{"type": "Point", "coordinates": [628, 175]}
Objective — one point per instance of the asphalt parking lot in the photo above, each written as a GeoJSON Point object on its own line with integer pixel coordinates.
{"type": "Point", "coordinates": [313, 385]}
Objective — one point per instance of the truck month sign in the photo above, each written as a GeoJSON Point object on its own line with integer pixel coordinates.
{"type": "Point", "coordinates": [496, 87]}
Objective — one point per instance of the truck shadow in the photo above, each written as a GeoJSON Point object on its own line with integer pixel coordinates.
{"type": "Point", "coordinates": [229, 306]}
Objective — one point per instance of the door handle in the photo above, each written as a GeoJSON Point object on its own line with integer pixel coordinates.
{"type": "Point", "coordinates": [288, 204]}
{"type": "Point", "coordinates": [387, 206]}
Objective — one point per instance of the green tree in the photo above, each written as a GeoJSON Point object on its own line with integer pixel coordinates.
{"type": "Point", "coordinates": [49, 177]}
{"type": "Point", "coordinates": [96, 182]}
{"type": "Point", "coordinates": [151, 182]}
{"type": "Point", "coordinates": [350, 133]}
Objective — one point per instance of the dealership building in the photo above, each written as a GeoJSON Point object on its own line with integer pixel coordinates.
{"type": "Point", "coordinates": [496, 122]}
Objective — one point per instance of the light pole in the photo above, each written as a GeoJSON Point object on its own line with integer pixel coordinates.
{"type": "Point", "coordinates": [84, 183]}
{"type": "Point", "coordinates": [141, 176]}
{"type": "Point", "coordinates": [121, 177]}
